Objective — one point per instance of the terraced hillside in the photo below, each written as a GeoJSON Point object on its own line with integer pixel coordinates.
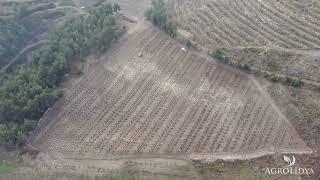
{"type": "Point", "coordinates": [167, 102]}
{"type": "Point", "coordinates": [234, 23]}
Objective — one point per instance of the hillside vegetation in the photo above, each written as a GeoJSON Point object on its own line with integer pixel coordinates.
{"type": "Point", "coordinates": [158, 15]}
{"type": "Point", "coordinates": [14, 31]}
{"type": "Point", "coordinates": [29, 91]}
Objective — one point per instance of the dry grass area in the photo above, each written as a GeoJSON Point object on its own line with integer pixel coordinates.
{"type": "Point", "coordinates": [292, 63]}
{"type": "Point", "coordinates": [235, 23]}
{"type": "Point", "coordinates": [168, 102]}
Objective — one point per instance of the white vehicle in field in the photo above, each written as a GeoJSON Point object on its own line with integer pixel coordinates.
{"type": "Point", "coordinates": [140, 54]}
{"type": "Point", "coordinates": [184, 49]}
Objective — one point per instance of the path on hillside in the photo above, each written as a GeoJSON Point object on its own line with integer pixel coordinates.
{"type": "Point", "coordinates": [79, 10]}
{"type": "Point", "coordinates": [23, 52]}
{"type": "Point", "coordinates": [40, 43]}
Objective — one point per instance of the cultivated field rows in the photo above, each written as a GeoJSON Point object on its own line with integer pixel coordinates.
{"type": "Point", "coordinates": [233, 23]}
{"type": "Point", "coordinates": [166, 102]}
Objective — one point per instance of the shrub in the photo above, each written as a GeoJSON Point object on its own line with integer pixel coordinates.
{"type": "Point", "coordinates": [245, 67]}
{"type": "Point", "coordinates": [217, 54]}
{"type": "Point", "coordinates": [293, 82]}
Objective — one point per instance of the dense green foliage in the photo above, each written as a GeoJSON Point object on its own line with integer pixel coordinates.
{"type": "Point", "coordinates": [158, 15]}
{"type": "Point", "coordinates": [13, 34]}
{"type": "Point", "coordinates": [29, 91]}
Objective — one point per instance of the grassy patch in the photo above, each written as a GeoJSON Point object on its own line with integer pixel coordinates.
{"type": "Point", "coordinates": [6, 167]}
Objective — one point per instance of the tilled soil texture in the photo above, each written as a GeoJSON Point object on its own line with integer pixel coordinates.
{"type": "Point", "coordinates": [167, 102]}
{"type": "Point", "coordinates": [243, 23]}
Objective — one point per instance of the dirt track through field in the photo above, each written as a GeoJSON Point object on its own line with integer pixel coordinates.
{"type": "Point", "coordinates": [168, 102]}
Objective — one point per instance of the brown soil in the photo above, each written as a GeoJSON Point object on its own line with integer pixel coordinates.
{"type": "Point", "coordinates": [166, 103]}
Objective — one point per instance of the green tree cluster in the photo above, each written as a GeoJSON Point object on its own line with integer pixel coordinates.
{"type": "Point", "coordinates": [158, 15]}
{"type": "Point", "coordinates": [31, 89]}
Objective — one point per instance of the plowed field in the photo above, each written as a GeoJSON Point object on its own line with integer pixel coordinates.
{"type": "Point", "coordinates": [167, 102]}
{"type": "Point", "coordinates": [235, 23]}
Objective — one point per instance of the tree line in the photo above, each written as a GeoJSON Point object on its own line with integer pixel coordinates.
{"type": "Point", "coordinates": [32, 88]}
{"type": "Point", "coordinates": [159, 16]}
